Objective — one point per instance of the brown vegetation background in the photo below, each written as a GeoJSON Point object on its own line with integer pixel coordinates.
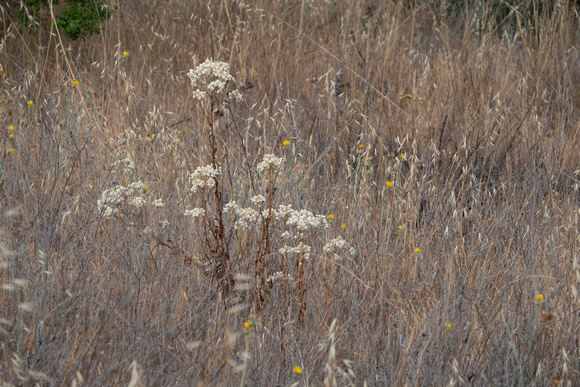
{"type": "Point", "coordinates": [487, 118]}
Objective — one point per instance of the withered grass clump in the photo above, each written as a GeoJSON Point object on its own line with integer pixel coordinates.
{"type": "Point", "coordinates": [377, 194]}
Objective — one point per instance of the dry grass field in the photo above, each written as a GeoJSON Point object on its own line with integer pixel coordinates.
{"type": "Point", "coordinates": [347, 193]}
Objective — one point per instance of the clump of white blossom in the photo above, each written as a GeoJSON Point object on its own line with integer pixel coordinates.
{"type": "Point", "coordinates": [279, 276]}
{"type": "Point", "coordinates": [195, 212]}
{"type": "Point", "coordinates": [258, 199]}
{"type": "Point", "coordinates": [301, 249]}
{"type": "Point", "coordinates": [244, 216]}
{"type": "Point", "coordinates": [270, 163]}
{"type": "Point", "coordinates": [158, 203]}
{"type": "Point", "coordinates": [111, 199]}
{"type": "Point", "coordinates": [127, 164]}
{"type": "Point", "coordinates": [336, 246]}
{"type": "Point", "coordinates": [212, 77]}
{"type": "Point", "coordinates": [204, 177]}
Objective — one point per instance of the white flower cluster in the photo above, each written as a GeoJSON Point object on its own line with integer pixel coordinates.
{"type": "Point", "coordinates": [158, 203]}
{"type": "Point", "coordinates": [112, 198]}
{"type": "Point", "coordinates": [128, 165]}
{"type": "Point", "coordinates": [258, 199]}
{"type": "Point", "coordinates": [337, 245]}
{"type": "Point", "coordinates": [245, 216]}
{"type": "Point", "coordinates": [211, 78]}
{"type": "Point", "coordinates": [203, 177]}
{"type": "Point", "coordinates": [235, 95]}
{"type": "Point", "coordinates": [304, 219]}
{"type": "Point", "coordinates": [300, 249]}
{"type": "Point", "coordinates": [270, 163]}
{"type": "Point", "coordinates": [279, 276]}
{"type": "Point", "coordinates": [194, 213]}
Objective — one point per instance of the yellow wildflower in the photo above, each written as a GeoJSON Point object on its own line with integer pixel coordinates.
{"type": "Point", "coordinates": [286, 143]}
{"type": "Point", "coordinates": [75, 82]}
{"type": "Point", "coordinates": [11, 127]}
{"type": "Point", "coordinates": [125, 53]}
{"type": "Point", "coordinates": [540, 298]}
{"type": "Point", "coordinates": [297, 370]}
{"type": "Point", "coordinates": [330, 217]}
{"type": "Point", "coordinates": [361, 147]}
{"type": "Point", "coordinates": [343, 226]}
{"type": "Point", "coordinates": [389, 184]}
{"type": "Point", "coordinates": [403, 155]}
{"type": "Point", "coordinates": [417, 250]}
{"type": "Point", "coordinates": [30, 102]}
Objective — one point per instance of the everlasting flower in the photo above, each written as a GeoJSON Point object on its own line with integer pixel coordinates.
{"type": "Point", "coordinates": [11, 150]}
{"type": "Point", "coordinates": [400, 227]}
{"type": "Point", "coordinates": [258, 199]}
{"type": "Point", "coordinates": [194, 213]}
{"type": "Point", "coordinates": [30, 102]}
{"type": "Point", "coordinates": [279, 276]}
{"type": "Point", "coordinates": [286, 143]}
{"type": "Point", "coordinates": [403, 155]}
{"type": "Point", "coordinates": [125, 53]}
{"type": "Point", "coordinates": [330, 217]}
{"type": "Point", "coordinates": [297, 370]}
{"type": "Point", "coordinates": [343, 226]}
{"type": "Point", "coordinates": [417, 250]}
{"type": "Point", "coordinates": [448, 326]}
{"type": "Point", "coordinates": [361, 147]}
{"type": "Point", "coordinates": [159, 203]}
{"type": "Point", "coordinates": [270, 163]}
{"type": "Point", "coordinates": [389, 184]}
{"type": "Point", "coordinates": [75, 82]}
{"type": "Point", "coordinates": [11, 127]}
{"type": "Point", "coordinates": [203, 177]}
{"type": "Point", "coordinates": [212, 77]}
{"type": "Point", "coordinates": [540, 298]}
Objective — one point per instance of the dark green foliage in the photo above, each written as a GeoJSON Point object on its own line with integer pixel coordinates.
{"type": "Point", "coordinates": [76, 19]}
{"type": "Point", "coordinates": [507, 15]}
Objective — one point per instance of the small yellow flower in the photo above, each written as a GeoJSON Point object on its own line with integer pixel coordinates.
{"type": "Point", "coordinates": [400, 227]}
{"type": "Point", "coordinates": [11, 127]}
{"type": "Point", "coordinates": [153, 136]}
{"type": "Point", "coordinates": [1, 69]}
{"type": "Point", "coordinates": [297, 370]}
{"type": "Point", "coordinates": [234, 190]}
{"type": "Point", "coordinates": [389, 184]}
{"type": "Point", "coordinates": [125, 53]}
{"type": "Point", "coordinates": [75, 82]}
{"type": "Point", "coordinates": [330, 217]}
{"type": "Point", "coordinates": [343, 226]}
{"type": "Point", "coordinates": [448, 326]}
{"type": "Point", "coordinates": [145, 188]}
{"type": "Point", "coordinates": [540, 298]}
{"type": "Point", "coordinates": [11, 150]}
{"type": "Point", "coordinates": [30, 102]}
{"type": "Point", "coordinates": [11, 135]}
{"type": "Point", "coordinates": [403, 155]}
{"type": "Point", "coordinates": [361, 147]}
{"type": "Point", "coordinates": [249, 325]}
{"type": "Point", "coordinates": [286, 143]}
{"type": "Point", "coordinates": [417, 250]}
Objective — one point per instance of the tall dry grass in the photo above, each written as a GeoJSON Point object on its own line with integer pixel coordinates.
{"type": "Point", "coordinates": [486, 196]}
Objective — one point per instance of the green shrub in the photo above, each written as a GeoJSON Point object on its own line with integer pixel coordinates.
{"type": "Point", "coordinates": [76, 19]}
